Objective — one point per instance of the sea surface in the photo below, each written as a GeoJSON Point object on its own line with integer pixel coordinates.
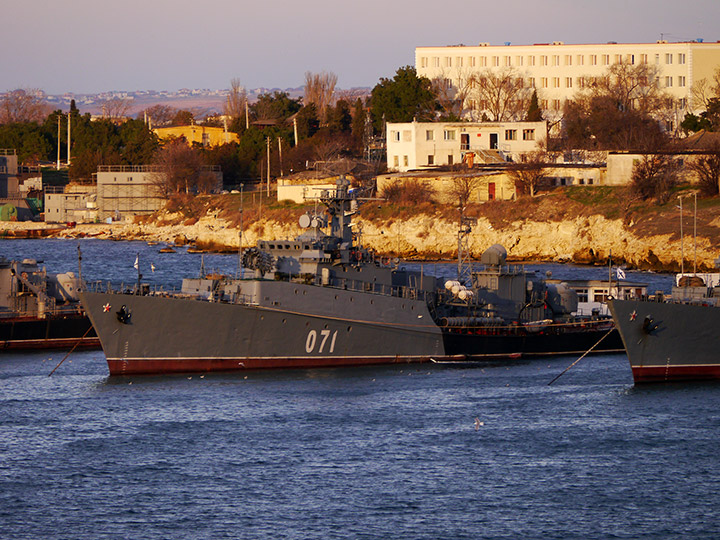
{"type": "Point", "coordinates": [402, 452]}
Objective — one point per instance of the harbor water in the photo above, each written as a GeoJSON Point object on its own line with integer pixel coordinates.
{"type": "Point", "coordinates": [412, 452]}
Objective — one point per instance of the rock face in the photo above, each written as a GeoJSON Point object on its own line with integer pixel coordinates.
{"type": "Point", "coordinates": [585, 239]}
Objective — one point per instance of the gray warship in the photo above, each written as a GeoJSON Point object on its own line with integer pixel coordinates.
{"type": "Point", "coordinates": [324, 300]}
{"type": "Point", "coordinates": [676, 338]}
{"type": "Point", "coordinates": [41, 310]}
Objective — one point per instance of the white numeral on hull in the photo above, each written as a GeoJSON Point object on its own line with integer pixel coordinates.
{"type": "Point", "coordinates": [312, 340]}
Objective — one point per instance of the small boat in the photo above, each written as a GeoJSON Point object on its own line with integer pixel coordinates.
{"type": "Point", "coordinates": [167, 249]}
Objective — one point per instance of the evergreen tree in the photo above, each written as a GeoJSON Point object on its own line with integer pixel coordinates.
{"type": "Point", "coordinates": [534, 114]}
{"type": "Point", "coordinates": [403, 98]}
{"type": "Point", "coordinates": [339, 117]}
{"type": "Point", "coordinates": [358, 125]}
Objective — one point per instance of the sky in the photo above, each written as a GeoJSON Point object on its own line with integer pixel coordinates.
{"type": "Point", "coordinates": [92, 46]}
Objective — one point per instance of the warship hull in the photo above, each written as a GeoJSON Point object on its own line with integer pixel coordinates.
{"type": "Point", "coordinates": [178, 335]}
{"type": "Point", "coordinates": [556, 340]}
{"type": "Point", "coordinates": [51, 332]}
{"type": "Point", "coordinates": [669, 341]}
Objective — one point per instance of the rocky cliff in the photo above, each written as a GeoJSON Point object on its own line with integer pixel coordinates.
{"type": "Point", "coordinates": [553, 229]}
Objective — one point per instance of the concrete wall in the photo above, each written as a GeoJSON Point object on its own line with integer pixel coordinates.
{"type": "Point", "coordinates": [485, 186]}
{"type": "Point", "coordinates": [122, 194]}
{"type": "Point", "coordinates": [620, 167]}
{"type": "Point", "coordinates": [300, 193]}
{"type": "Point", "coordinates": [78, 206]}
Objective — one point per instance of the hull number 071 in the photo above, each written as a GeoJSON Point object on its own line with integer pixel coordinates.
{"type": "Point", "coordinates": [321, 341]}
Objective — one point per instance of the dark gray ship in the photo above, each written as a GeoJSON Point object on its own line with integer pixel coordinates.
{"type": "Point", "coordinates": [40, 310]}
{"type": "Point", "coordinates": [324, 300]}
{"type": "Point", "coordinates": [676, 338]}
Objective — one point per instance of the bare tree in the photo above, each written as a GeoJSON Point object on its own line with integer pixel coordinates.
{"type": "Point", "coordinates": [116, 109]}
{"type": "Point", "coordinates": [654, 175]}
{"type": "Point", "coordinates": [707, 169]}
{"type": "Point", "coordinates": [500, 94]}
{"type": "Point", "coordinates": [452, 94]}
{"type": "Point", "coordinates": [634, 87]}
{"type": "Point", "coordinates": [703, 91]}
{"type": "Point", "coordinates": [462, 188]}
{"type": "Point", "coordinates": [352, 94]}
{"type": "Point", "coordinates": [23, 105]}
{"type": "Point", "coordinates": [319, 90]}
{"type": "Point", "coordinates": [236, 100]}
{"type": "Point", "coordinates": [159, 115]}
{"type": "Point", "coordinates": [180, 169]}
{"type": "Point", "coordinates": [528, 174]}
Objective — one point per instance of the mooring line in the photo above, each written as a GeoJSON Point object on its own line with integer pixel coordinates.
{"type": "Point", "coordinates": [583, 356]}
{"type": "Point", "coordinates": [71, 350]}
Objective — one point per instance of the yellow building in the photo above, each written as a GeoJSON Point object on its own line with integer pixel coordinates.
{"type": "Point", "coordinates": [204, 135]}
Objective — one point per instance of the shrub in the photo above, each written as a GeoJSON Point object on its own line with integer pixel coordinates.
{"type": "Point", "coordinates": [408, 192]}
{"type": "Point", "coordinates": [653, 176]}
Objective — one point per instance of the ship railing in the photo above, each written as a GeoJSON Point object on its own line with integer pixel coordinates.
{"type": "Point", "coordinates": [50, 310]}
{"type": "Point", "coordinates": [123, 288]}
{"type": "Point", "coordinates": [400, 291]}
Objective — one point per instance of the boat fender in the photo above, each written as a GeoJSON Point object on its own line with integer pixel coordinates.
{"type": "Point", "coordinates": [123, 315]}
{"type": "Point", "coordinates": [649, 325]}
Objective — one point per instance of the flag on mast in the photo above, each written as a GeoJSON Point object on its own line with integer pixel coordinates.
{"type": "Point", "coordinates": [620, 273]}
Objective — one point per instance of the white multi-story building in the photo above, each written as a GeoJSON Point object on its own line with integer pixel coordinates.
{"type": "Point", "coordinates": [557, 70]}
{"type": "Point", "coordinates": [418, 145]}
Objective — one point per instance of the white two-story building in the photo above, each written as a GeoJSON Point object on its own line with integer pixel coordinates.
{"type": "Point", "coordinates": [422, 145]}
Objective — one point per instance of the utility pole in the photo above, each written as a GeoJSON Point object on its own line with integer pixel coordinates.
{"type": "Point", "coordinates": [682, 245]}
{"type": "Point", "coordinates": [280, 151]}
{"type": "Point", "coordinates": [69, 113]}
{"type": "Point", "coordinates": [58, 156]}
{"type": "Point", "coordinates": [695, 238]}
{"type": "Point", "coordinates": [268, 166]}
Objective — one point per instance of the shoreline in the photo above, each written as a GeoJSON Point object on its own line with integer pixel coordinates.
{"type": "Point", "coordinates": [587, 241]}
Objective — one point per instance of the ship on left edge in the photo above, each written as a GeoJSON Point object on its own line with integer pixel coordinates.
{"type": "Point", "coordinates": [40, 310]}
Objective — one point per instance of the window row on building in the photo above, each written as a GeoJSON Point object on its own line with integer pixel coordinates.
{"type": "Point", "coordinates": [555, 60]}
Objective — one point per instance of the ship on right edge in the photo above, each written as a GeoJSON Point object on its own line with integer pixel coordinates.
{"type": "Point", "coordinates": [676, 338]}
